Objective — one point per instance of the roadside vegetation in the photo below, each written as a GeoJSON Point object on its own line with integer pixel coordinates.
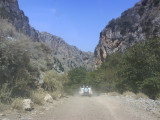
{"type": "Point", "coordinates": [76, 78]}
{"type": "Point", "coordinates": [137, 70]}
{"type": "Point", "coordinates": [26, 71]}
{"type": "Point", "coordinates": [26, 68]}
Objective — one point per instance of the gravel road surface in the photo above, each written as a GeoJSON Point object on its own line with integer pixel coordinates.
{"type": "Point", "coordinates": [96, 108]}
{"type": "Point", "coordinates": [103, 107]}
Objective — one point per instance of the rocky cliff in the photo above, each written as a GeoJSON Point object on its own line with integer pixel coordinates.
{"type": "Point", "coordinates": [9, 9]}
{"type": "Point", "coordinates": [134, 25]}
{"type": "Point", "coordinates": [69, 56]}
{"type": "Point", "coordinates": [65, 56]}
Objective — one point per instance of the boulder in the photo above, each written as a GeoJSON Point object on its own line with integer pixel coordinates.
{"type": "Point", "coordinates": [27, 105]}
{"type": "Point", "coordinates": [48, 98]}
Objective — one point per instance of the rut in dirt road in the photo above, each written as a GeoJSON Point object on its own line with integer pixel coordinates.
{"type": "Point", "coordinates": [94, 108]}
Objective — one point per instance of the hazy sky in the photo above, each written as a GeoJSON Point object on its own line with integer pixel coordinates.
{"type": "Point", "coordinates": [78, 22]}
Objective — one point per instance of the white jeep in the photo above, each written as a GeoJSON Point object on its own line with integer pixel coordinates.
{"type": "Point", "coordinates": [85, 91]}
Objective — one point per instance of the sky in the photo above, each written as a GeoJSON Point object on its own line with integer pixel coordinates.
{"type": "Point", "coordinates": [78, 22]}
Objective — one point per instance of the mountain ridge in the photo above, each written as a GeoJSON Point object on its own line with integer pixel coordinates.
{"type": "Point", "coordinates": [70, 56]}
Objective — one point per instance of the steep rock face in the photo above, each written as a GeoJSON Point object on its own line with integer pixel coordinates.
{"type": "Point", "coordinates": [65, 56]}
{"type": "Point", "coordinates": [136, 24]}
{"type": "Point", "coordinates": [9, 9]}
{"type": "Point", "coordinates": [69, 56]}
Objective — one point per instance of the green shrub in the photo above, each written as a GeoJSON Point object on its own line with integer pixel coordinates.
{"type": "Point", "coordinates": [105, 78]}
{"type": "Point", "coordinates": [76, 78]}
{"type": "Point", "coordinates": [136, 70]}
{"type": "Point", "coordinates": [151, 86]}
{"type": "Point", "coordinates": [140, 68]}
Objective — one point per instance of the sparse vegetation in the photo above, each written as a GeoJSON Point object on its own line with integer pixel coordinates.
{"type": "Point", "coordinates": [129, 94]}
{"type": "Point", "coordinates": [53, 82]}
{"type": "Point", "coordinates": [38, 97]}
{"type": "Point", "coordinates": [21, 64]}
{"type": "Point", "coordinates": [141, 95]}
{"type": "Point", "coordinates": [3, 107]}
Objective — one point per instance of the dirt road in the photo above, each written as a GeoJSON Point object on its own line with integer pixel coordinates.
{"type": "Point", "coordinates": [94, 108]}
{"type": "Point", "coordinates": [102, 107]}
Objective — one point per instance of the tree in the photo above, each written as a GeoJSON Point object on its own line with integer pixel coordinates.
{"type": "Point", "coordinates": [77, 77]}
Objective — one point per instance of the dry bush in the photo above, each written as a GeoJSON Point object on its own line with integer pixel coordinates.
{"type": "Point", "coordinates": [129, 94]}
{"type": "Point", "coordinates": [3, 107]}
{"type": "Point", "coordinates": [158, 97]}
{"type": "Point", "coordinates": [141, 95]}
{"type": "Point", "coordinates": [17, 103]}
{"type": "Point", "coordinates": [53, 83]}
{"type": "Point", "coordinates": [5, 93]}
{"type": "Point", "coordinates": [6, 28]}
{"type": "Point", "coordinates": [38, 97]}
{"type": "Point", "coordinates": [114, 94]}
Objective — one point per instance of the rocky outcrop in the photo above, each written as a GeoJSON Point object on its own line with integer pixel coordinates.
{"type": "Point", "coordinates": [65, 55]}
{"type": "Point", "coordinates": [137, 24]}
{"type": "Point", "coordinates": [9, 9]}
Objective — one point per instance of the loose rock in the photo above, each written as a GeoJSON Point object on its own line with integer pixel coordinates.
{"type": "Point", "coordinates": [27, 105]}
{"type": "Point", "coordinates": [48, 98]}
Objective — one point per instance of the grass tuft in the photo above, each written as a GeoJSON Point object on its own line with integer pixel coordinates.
{"type": "Point", "coordinates": [141, 95]}
{"type": "Point", "coordinates": [17, 103]}
{"type": "Point", "coordinates": [38, 97]}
